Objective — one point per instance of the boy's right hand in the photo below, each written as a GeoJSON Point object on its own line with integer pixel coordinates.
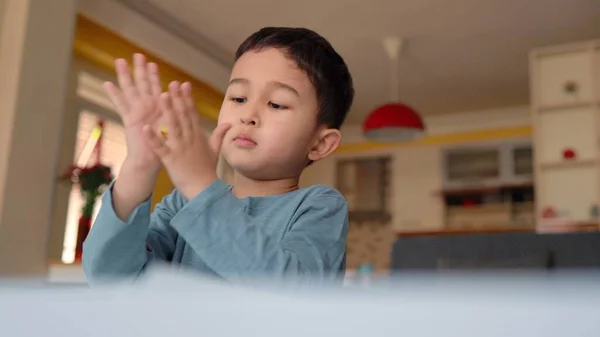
{"type": "Point", "coordinates": [136, 101]}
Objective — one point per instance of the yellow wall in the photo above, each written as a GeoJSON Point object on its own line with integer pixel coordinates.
{"type": "Point", "coordinates": [100, 46]}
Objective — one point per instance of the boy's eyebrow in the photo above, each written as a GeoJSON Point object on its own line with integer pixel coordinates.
{"type": "Point", "coordinates": [238, 81]}
{"type": "Point", "coordinates": [274, 83]}
{"type": "Point", "coordinates": [285, 87]}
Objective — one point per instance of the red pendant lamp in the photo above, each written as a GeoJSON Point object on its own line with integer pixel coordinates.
{"type": "Point", "coordinates": [394, 121]}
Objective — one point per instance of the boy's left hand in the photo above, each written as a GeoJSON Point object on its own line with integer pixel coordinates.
{"type": "Point", "coordinates": [189, 156]}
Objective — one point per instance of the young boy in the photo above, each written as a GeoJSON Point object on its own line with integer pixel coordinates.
{"type": "Point", "coordinates": [288, 95]}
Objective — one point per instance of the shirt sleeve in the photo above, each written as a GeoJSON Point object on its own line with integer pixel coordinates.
{"type": "Point", "coordinates": [230, 241]}
{"type": "Point", "coordinates": [117, 249]}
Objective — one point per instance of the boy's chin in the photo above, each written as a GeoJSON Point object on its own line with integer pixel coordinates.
{"type": "Point", "coordinates": [246, 167]}
{"type": "Point", "coordinates": [257, 172]}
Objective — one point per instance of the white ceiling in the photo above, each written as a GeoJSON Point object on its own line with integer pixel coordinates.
{"type": "Point", "coordinates": [461, 55]}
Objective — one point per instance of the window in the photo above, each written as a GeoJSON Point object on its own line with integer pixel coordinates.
{"type": "Point", "coordinates": [113, 154]}
{"type": "Point", "coordinates": [365, 183]}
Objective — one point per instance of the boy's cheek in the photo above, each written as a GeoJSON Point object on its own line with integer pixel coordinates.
{"type": "Point", "coordinates": [225, 114]}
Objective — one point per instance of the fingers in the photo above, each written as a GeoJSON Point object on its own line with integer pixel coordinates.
{"type": "Point", "coordinates": [124, 79]}
{"type": "Point", "coordinates": [172, 124]}
{"type": "Point", "coordinates": [190, 106]}
{"type": "Point", "coordinates": [177, 98]}
{"type": "Point", "coordinates": [188, 99]}
{"type": "Point", "coordinates": [181, 120]}
{"type": "Point", "coordinates": [180, 110]}
{"type": "Point", "coordinates": [145, 83]}
{"type": "Point", "coordinates": [141, 77]}
{"type": "Point", "coordinates": [156, 141]}
{"type": "Point", "coordinates": [116, 97]}
{"type": "Point", "coordinates": [154, 78]}
{"type": "Point", "coordinates": [145, 80]}
{"type": "Point", "coordinates": [216, 138]}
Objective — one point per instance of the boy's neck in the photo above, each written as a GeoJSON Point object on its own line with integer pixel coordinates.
{"type": "Point", "coordinates": [246, 187]}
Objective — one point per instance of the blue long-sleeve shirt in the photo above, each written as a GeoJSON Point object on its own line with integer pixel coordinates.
{"type": "Point", "coordinates": [296, 234]}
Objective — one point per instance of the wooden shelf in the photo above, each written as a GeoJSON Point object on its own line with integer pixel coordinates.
{"type": "Point", "coordinates": [568, 163]}
{"type": "Point", "coordinates": [559, 107]}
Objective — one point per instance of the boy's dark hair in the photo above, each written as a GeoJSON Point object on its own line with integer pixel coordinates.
{"type": "Point", "coordinates": [323, 65]}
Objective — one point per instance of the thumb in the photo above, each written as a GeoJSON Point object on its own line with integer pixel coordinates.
{"type": "Point", "coordinates": [216, 138]}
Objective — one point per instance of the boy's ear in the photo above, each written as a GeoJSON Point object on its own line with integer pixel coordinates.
{"type": "Point", "coordinates": [327, 141]}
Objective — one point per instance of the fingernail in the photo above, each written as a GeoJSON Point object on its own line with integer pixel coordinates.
{"type": "Point", "coordinates": [174, 86]}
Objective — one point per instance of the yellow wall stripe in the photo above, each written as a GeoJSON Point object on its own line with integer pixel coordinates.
{"type": "Point", "coordinates": [100, 46]}
{"type": "Point", "coordinates": [466, 137]}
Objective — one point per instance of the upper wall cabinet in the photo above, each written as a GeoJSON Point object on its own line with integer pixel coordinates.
{"type": "Point", "coordinates": [489, 165]}
{"type": "Point", "coordinates": [565, 78]}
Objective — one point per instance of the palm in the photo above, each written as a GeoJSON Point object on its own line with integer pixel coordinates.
{"type": "Point", "coordinates": [136, 101]}
{"type": "Point", "coordinates": [145, 111]}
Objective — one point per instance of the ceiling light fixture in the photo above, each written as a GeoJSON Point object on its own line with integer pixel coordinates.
{"type": "Point", "coordinates": [394, 121]}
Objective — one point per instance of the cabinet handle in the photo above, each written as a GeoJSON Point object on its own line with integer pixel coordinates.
{"type": "Point", "coordinates": [571, 87]}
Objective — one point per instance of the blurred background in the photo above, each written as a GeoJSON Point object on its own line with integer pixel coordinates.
{"type": "Point", "coordinates": [473, 143]}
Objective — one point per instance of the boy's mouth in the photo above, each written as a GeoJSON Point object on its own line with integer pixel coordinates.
{"type": "Point", "coordinates": [244, 140]}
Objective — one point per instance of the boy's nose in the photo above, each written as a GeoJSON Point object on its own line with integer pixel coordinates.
{"type": "Point", "coordinates": [250, 115]}
{"type": "Point", "coordinates": [249, 120]}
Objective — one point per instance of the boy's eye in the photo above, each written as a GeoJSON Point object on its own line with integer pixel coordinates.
{"type": "Point", "coordinates": [239, 99]}
{"type": "Point", "coordinates": [277, 106]}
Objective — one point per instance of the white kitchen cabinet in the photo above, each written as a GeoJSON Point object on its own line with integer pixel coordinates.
{"type": "Point", "coordinates": [564, 78]}
{"type": "Point", "coordinates": [565, 97]}
{"type": "Point", "coordinates": [473, 166]}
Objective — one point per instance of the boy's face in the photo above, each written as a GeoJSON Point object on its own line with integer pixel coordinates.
{"type": "Point", "coordinates": [272, 106]}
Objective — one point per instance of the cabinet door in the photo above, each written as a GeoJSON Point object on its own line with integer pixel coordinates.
{"type": "Point", "coordinates": [523, 160]}
{"type": "Point", "coordinates": [520, 165]}
{"type": "Point", "coordinates": [472, 166]}
{"type": "Point", "coordinates": [573, 128]}
{"type": "Point", "coordinates": [565, 78]}
{"type": "Point", "coordinates": [417, 204]}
